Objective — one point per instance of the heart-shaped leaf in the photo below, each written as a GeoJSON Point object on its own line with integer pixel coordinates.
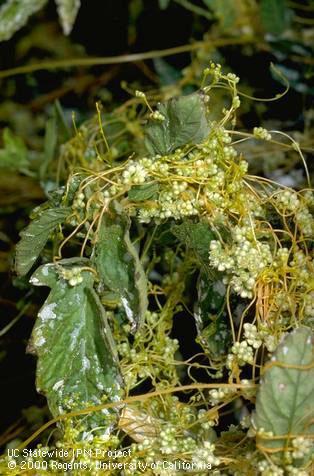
{"type": "Point", "coordinates": [77, 363]}
{"type": "Point", "coordinates": [147, 191]}
{"type": "Point", "coordinates": [68, 10]}
{"type": "Point", "coordinates": [15, 13]}
{"type": "Point", "coordinates": [35, 236]}
{"type": "Point", "coordinates": [284, 404]}
{"type": "Point", "coordinates": [185, 122]}
{"type": "Point", "coordinates": [119, 267]}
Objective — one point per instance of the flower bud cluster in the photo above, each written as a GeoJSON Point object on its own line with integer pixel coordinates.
{"type": "Point", "coordinates": [79, 201]}
{"type": "Point", "coordinates": [248, 392]}
{"type": "Point", "coordinates": [168, 442]}
{"type": "Point", "coordinates": [256, 337]}
{"type": "Point", "coordinates": [309, 305]}
{"type": "Point", "coordinates": [302, 267]}
{"type": "Point", "coordinates": [267, 469]}
{"type": "Point", "coordinates": [270, 342]}
{"type": "Point", "coordinates": [252, 335]}
{"type": "Point", "coordinates": [219, 394]}
{"type": "Point", "coordinates": [205, 454]}
{"type": "Point", "coordinates": [308, 197]}
{"type": "Point", "coordinates": [293, 471]}
{"type": "Point", "coordinates": [287, 201]}
{"type": "Point", "coordinates": [236, 102]}
{"type": "Point", "coordinates": [242, 261]}
{"type": "Point", "coordinates": [261, 133]}
{"type": "Point", "coordinates": [189, 180]}
{"type": "Point", "coordinates": [281, 258]}
{"type": "Point", "coordinates": [134, 174]}
{"type": "Point", "coordinates": [214, 70]}
{"type": "Point", "coordinates": [305, 221]}
{"type": "Point", "coordinates": [205, 422]}
{"type": "Point", "coordinates": [242, 353]}
{"type": "Point", "coordinates": [301, 447]}
{"type": "Point", "coordinates": [73, 275]}
{"type": "Point", "coordinates": [138, 363]}
{"type": "Point", "coordinates": [233, 78]}
{"type": "Point", "coordinates": [157, 116]}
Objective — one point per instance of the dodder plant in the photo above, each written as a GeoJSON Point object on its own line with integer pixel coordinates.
{"type": "Point", "coordinates": [179, 226]}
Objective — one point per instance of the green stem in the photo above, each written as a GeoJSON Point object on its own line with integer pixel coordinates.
{"type": "Point", "coordinates": [128, 58]}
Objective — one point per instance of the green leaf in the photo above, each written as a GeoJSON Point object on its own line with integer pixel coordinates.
{"type": "Point", "coordinates": [224, 10]}
{"type": "Point", "coordinates": [68, 10]}
{"type": "Point", "coordinates": [284, 404]}
{"type": "Point", "coordinates": [210, 320]}
{"type": "Point", "coordinates": [196, 237]}
{"type": "Point", "coordinates": [120, 269]}
{"type": "Point", "coordinates": [166, 72]}
{"type": "Point", "coordinates": [164, 4]}
{"type": "Point", "coordinates": [77, 363]}
{"type": "Point", "coordinates": [274, 16]}
{"type": "Point", "coordinates": [15, 13]}
{"type": "Point", "coordinates": [14, 155]}
{"type": "Point", "coordinates": [35, 236]}
{"type": "Point", "coordinates": [140, 193]}
{"type": "Point", "coordinates": [185, 123]}
{"type": "Point", "coordinates": [210, 302]}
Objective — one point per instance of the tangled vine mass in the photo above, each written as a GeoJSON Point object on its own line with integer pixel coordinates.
{"type": "Point", "coordinates": [160, 224]}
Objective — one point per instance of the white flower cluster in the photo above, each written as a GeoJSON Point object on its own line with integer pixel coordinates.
{"type": "Point", "coordinates": [309, 305]}
{"type": "Point", "coordinates": [219, 394]}
{"type": "Point", "coordinates": [252, 336]}
{"type": "Point", "coordinates": [281, 258]}
{"type": "Point", "coordinates": [171, 206]}
{"type": "Point", "coordinates": [248, 392]}
{"type": "Point", "coordinates": [303, 267]}
{"type": "Point", "coordinates": [242, 261]}
{"type": "Point", "coordinates": [267, 469]}
{"type": "Point", "coordinates": [214, 70]}
{"type": "Point", "coordinates": [137, 364]}
{"type": "Point", "coordinates": [140, 94]}
{"type": "Point", "coordinates": [264, 434]}
{"type": "Point", "coordinates": [168, 440]}
{"type": "Point", "coordinates": [205, 455]}
{"type": "Point", "coordinates": [167, 443]}
{"type": "Point", "coordinates": [301, 447]}
{"type": "Point", "coordinates": [189, 180]}
{"type": "Point", "coordinates": [134, 174]}
{"type": "Point", "coordinates": [305, 221]}
{"type": "Point", "coordinates": [205, 422]}
{"type": "Point", "coordinates": [79, 201]}
{"type": "Point", "coordinates": [256, 337]}
{"type": "Point", "coordinates": [236, 102]}
{"type": "Point", "coordinates": [301, 303]}
{"type": "Point", "coordinates": [233, 78]}
{"type": "Point", "coordinates": [287, 200]}
{"type": "Point", "coordinates": [175, 412]}
{"type": "Point", "coordinates": [73, 275]}
{"type": "Point", "coordinates": [292, 471]}
{"type": "Point", "coordinates": [261, 133]}
{"type": "Point", "coordinates": [242, 353]}
{"type": "Point", "coordinates": [157, 116]}
{"type": "Point", "coordinates": [270, 341]}
{"type": "Point", "coordinates": [308, 196]}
